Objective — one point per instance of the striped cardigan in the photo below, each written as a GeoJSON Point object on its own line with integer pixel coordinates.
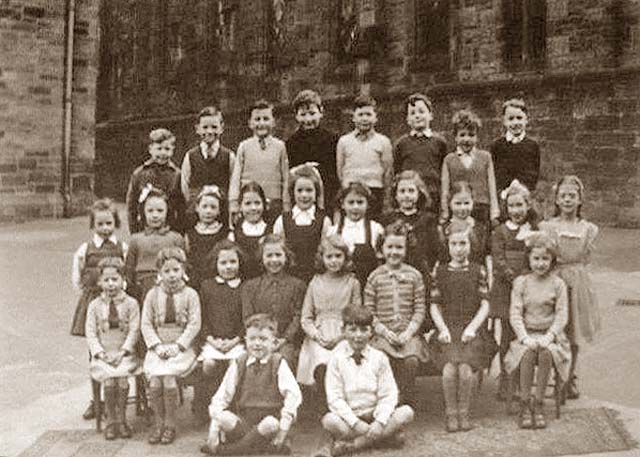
{"type": "Point", "coordinates": [396, 298]}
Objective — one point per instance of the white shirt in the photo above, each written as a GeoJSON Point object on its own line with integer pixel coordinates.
{"type": "Point", "coordinates": [81, 253]}
{"type": "Point", "coordinates": [515, 139]}
{"type": "Point", "coordinates": [210, 151]}
{"type": "Point", "coordinates": [465, 158]}
{"type": "Point", "coordinates": [302, 218]}
{"type": "Point", "coordinates": [249, 229]}
{"type": "Point", "coordinates": [353, 232]}
{"type": "Point", "coordinates": [287, 386]}
{"type": "Point", "coordinates": [354, 391]}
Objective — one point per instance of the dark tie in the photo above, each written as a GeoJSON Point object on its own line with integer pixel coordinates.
{"type": "Point", "coordinates": [263, 143]}
{"type": "Point", "coordinates": [114, 322]}
{"type": "Point", "coordinates": [357, 357]}
{"type": "Point", "coordinates": [170, 310]}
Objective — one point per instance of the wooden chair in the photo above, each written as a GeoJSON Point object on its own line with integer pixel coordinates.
{"type": "Point", "coordinates": [139, 398]}
{"type": "Point", "coordinates": [555, 383]}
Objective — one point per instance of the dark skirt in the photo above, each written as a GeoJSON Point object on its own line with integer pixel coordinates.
{"type": "Point", "coordinates": [80, 314]}
{"type": "Point", "coordinates": [477, 353]}
{"type": "Point", "coordinates": [501, 298]}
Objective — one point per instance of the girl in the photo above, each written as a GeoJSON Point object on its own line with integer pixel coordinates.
{"type": "Point", "coordinates": [539, 313]}
{"type": "Point", "coordinates": [277, 293]}
{"type": "Point", "coordinates": [112, 325]}
{"type": "Point", "coordinates": [358, 232]}
{"type": "Point", "coordinates": [170, 323]}
{"type": "Point", "coordinates": [575, 238]}
{"type": "Point", "coordinates": [459, 308]}
{"type": "Point", "coordinates": [461, 204]}
{"type": "Point", "coordinates": [307, 222]}
{"type": "Point", "coordinates": [141, 260]}
{"type": "Point", "coordinates": [395, 296]}
{"type": "Point", "coordinates": [222, 326]}
{"type": "Point", "coordinates": [508, 254]}
{"type": "Point", "coordinates": [329, 292]}
{"type": "Point", "coordinates": [251, 229]}
{"type": "Point", "coordinates": [103, 220]}
{"type": "Point", "coordinates": [207, 232]}
{"type": "Point", "coordinates": [411, 207]}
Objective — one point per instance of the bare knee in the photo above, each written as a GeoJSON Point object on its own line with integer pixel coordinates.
{"type": "Point", "coordinates": [465, 371]}
{"type": "Point", "coordinates": [411, 363]}
{"type": "Point", "coordinates": [450, 371]}
{"type": "Point", "coordinates": [170, 382]}
{"type": "Point", "coordinates": [110, 382]}
{"type": "Point", "coordinates": [123, 383]}
{"type": "Point", "coordinates": [404, 414]}
{"type": "Point", "coordinates": [155, 382]}
{"type": "Point", "coordinates": [268, 426]}
{"type": "Point", "coordinates": [226, 420]}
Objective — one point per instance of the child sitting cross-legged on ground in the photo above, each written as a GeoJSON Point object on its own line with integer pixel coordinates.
{"type": "Point", "coordinates": [361, 392]}
{"type": "Point", "coordinates": [257, 388]}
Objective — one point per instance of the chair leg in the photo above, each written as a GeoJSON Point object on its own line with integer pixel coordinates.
{"type": "Point", "coordinates": [141, 396]}
{"type": "Point", "coordinates": [97, 403]}
{"type": "Point", "coordinates": [558, 388]}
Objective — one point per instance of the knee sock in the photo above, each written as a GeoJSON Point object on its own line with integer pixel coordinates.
{"type": "Point", "coordinates": [450, 388]}
{"type": "Point", "coordinates": [574, 362]}
{"type": "Point", "coordinates": [527, 367]}
{"type": "Point", "coordinates": [545, 362]}
{"type": "Point", "coordinates": [465, 388]}
{"type": "Point", "coordinates": [170, 405]}
{"type": "Point", "coordinates": [123, 395]}
{"type": "Point", "coordinates": [110, 400]}
{"type": "Point", "coordinates": [157, 404]}
{"type": "Point", "coordinates": [409, 369]}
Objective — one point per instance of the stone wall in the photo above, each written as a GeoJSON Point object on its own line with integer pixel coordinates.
{"type": "Point", "coordinates": [32, 43]}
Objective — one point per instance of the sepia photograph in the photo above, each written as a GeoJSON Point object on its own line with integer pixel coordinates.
{"type": "Point", "coordinates": [320, 228]}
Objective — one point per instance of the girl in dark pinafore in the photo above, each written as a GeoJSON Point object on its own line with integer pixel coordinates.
{"type": "Point", "coordinates": [307, 223]}
{"type": "Point", "coordinates": [459, 309]}
{"type": "Point", "coordinates": [251, 229]}
{"type": "Point", "coordinates": [103, 220]}
{"type": "Point", "coordinates": [201, 239]}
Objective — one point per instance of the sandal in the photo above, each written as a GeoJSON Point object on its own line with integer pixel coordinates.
{"type": "Point", "coordinates": [168, 435]}
{"type": "Point", "coordinates": [111, 432]}
{"type": "Point", "coordinates": [156, 435]}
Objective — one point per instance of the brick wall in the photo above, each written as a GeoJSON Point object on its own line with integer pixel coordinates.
{"type": "Point", "coordinates": [32, 42]}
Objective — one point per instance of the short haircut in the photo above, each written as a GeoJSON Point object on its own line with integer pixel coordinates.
{"type": "Point", "coordinates": [211, 110]}
{"type": "Point", "coordinates": [542, 240]}
{"type": "Point", "coordinates": [225, 245]}
{"type": "Point", "coordinates": [172, 253]}
{"type": "Point", "coordinates": [160, 135]}
{"type": "Point", "coordinates": [364, 100]}
{"type": "Point", "coordinates": [418, 97]}
{"type": "Point", "coordinates": [396, 228]}
{"type": "Point", "coordinates": [261, 104]}
{"type": "Point", "coordinates": [103, 204]}
{"type": "Point", "coordinates": [424, 199]}
{"type": "Point", "coordinates": [457, 227]}
{"type": "Point", "coordinates": [276, 238]}
{"type": "Point", "coordinates": [336, 242]}
{"type": "Point", "coordinates": [307, 98]}
{"type": "Point", "coordinates": [111, 262]}
{"type": "Point", "coordinates": [465, 119]}
{"type": "Point", "coordinates": [514, 103]}
{"type": "Point", "coordinates": [357, 315]}
{"type": "Point", "coordinates": [260, 322]}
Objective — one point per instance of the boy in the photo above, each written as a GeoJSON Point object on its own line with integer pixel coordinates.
{"type": "Point", "coordinates": [163, 174]}
{"type": "Point", "coordinates": [421, 149]}
{"type": "Point", "coordinates": [361, 392]}
{"type": "Point", "coordinates": [314, 143]}
{"type": "Point", "coordinates": [257, 388]}
{"type": "Point", "coordinates": [262, 158]}
{"type": "Point", "coordinates": [365, 155]}
{"type": "Point", "coordinates": [515, 156]}
{"type": "Point", "coordinates": [472, 165]}
{"type": "Point", "coordinates": [209, 163]}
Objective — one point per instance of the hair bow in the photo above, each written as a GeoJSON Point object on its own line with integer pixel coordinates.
{"type": "Point", "coordinates": [144, 193]}
{"type": "Point", "coordinates": [516, 187]}
{"type": "Point", "coordinates": [210, 189]}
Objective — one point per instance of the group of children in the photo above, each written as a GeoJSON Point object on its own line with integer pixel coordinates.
{"type": "Point", "coordinates": [351, 269]}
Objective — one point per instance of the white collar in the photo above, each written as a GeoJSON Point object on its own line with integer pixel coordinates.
{"type": "Point", "coordinates": [296, 211]}
{"type": "Point", "coordinates": [408, 213]}
{"type": "Point", "coordinates": [208, 229]}
{"type": "Point", "coordinates": [256, 229]}
{"type": "Point", "coordinates": [470, 221]}
{"type": "Point", "coordinates": [233, 283]}
{"type": "Point", "coordinates": [511, 225]}
{"type": "Point", "coordinates": [204, 149]}
{"type": "Point", "coordinates": [98, 240]}
{"type": "Point", "coordinates": [348, 223]}
{"type": "Point", "coordinates": [515, 139]}
{"type": "Point", "coordinates": [251, 359]}
{"type": "Point", "coordinates": [427, 133]}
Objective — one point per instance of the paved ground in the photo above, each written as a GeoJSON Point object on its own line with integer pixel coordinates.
{"type": "Point", "coordinates": [43, 369]}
